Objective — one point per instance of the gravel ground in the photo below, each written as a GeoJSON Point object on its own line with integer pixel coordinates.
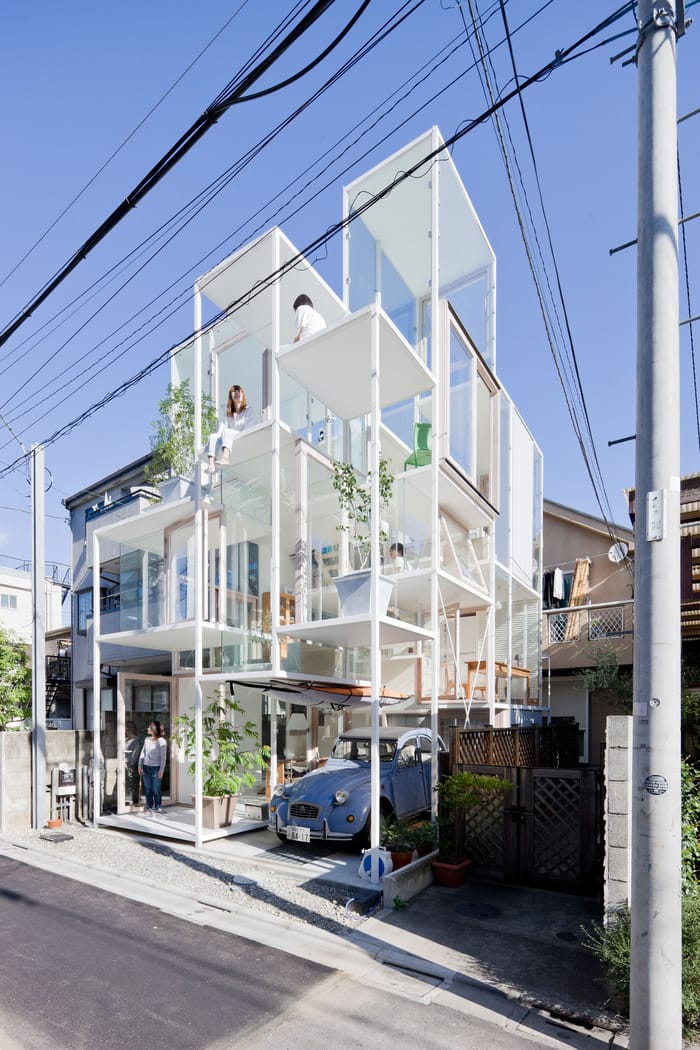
{"type": "Point", "coordinates": [273, 888]}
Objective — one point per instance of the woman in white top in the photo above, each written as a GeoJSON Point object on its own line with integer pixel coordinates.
{"type": "Point", "coordinates": [239, 416]}
{"type": "Point", "coordinates": [152, 765]}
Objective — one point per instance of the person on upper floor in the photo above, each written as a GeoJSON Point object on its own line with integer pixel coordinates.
{"type": "Point", "coordinates": [239, 416]}
{"type": "Point", "coordinates": [307, 320]}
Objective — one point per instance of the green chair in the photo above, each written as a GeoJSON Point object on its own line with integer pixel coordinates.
{"type": "Point", "coordinates": [421, 446]}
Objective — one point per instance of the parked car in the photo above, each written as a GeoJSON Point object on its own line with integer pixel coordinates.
{"type": "Point", "coordinates": [333, 801]}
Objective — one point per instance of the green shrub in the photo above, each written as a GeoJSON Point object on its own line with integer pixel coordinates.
{"type": "Point", "coordinates": [611, 943]}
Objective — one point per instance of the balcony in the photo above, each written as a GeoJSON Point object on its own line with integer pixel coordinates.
{"type": "Point", "coordinates": [571, 635]}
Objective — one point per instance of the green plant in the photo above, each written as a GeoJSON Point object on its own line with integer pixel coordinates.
{"type": "Point", "coordinates": [172, 443]}
{"type": "Point", "coordinates": [611, 945]}
{"type": "Point", "coordinates": [690, 825]}
{"type": "Point", "coordinates": [15, 682]}
{"type": "Point", "coordinates": [227, 764]}
{"type": "Point", "coordinates": [423, 836]}
{"type": "Point", "coordinates": [396, 835]}
{"type": "Point", "coordinates": [611, 942]}
{"type": "Point", "coordinates": [399, 903]}
{"type": "Point", "coordinates": [458, 793]}
{"type": "Point", "coordinates": [355, 501]}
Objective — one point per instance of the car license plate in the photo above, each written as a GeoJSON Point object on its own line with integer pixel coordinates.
{"type": "Point", "coordinates": [295, 834]}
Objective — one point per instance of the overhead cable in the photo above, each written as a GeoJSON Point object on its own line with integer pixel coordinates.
{"type": "Point", "coordinates": [322, 239]}
{"type": "Point", "coordinates": [183, 145]}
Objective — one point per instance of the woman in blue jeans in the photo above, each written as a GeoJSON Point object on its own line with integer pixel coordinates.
{"type": "Point", "coordinates": [152, 765]}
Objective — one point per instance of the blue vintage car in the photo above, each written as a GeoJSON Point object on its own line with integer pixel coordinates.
{"type": "Point", "coordinates": [333, 801]}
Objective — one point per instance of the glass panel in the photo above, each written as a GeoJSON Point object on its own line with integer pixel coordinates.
{"type": "Point", "coordinates": [461, 365]}
{"type": "Point", "coordinates": [484, 437]}
{"type": "Point", "coordinates": [363, 264]}
{"type": "Point", "coordinates": [143, 701]}
{"type": "Point", "coordinates": [537, 493]}
{"type": "Point", "coordinates": [181, 574]}
{"type": "Point", "coordinates": [240, 363]}
{"type": "Point", "coordinates": [470, 303]}
{"type": "Point", "coordinates": [503, 519]}
{"type": "Point", "coordinates": [141, 582]}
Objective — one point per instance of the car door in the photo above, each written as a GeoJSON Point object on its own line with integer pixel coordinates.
{"type": "Point", "coordinates": [408, 779]}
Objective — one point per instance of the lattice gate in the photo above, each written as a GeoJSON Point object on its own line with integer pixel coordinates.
{"type": "Point", "coordinates": [545, 832]}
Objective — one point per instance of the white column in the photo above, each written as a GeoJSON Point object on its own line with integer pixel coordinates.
{"type": "Point", "coordinates": [97, 763]}
{"type": "Point", "coordinates": [375, 652]}
{"type": "Point", "coordinates": [198, 569]}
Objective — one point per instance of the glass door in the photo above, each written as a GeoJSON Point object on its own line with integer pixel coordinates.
{"type": "Point", "coordinates": [141, 700]}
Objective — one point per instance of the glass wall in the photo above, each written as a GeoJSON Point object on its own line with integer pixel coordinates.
{"type": "Point", "coordinates": [460, 428]}
{"type": "Point", "coordinates": [141, 571]}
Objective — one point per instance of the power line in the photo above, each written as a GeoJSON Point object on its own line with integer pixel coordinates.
{"type": "Point", "coordinates": [184, 144]}
{"type": "Point", "coordinates": [322, 239]}
{"type": "Point", "coordinates": [201, 201]}
{"type": "Point", "coordinates": [121, 145]}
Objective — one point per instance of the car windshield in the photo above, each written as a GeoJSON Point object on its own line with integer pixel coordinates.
{"type": "Point", "coordinates": [360, 750]}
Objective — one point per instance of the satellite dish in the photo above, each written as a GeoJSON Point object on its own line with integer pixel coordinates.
{"type": "Point", "coordinates": [618, 552]}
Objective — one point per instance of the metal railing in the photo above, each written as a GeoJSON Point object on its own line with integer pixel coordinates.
{"type": "Point", "coordinates": [588, 623]}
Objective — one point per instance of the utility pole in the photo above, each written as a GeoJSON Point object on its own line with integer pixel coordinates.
{"type": "Point", "coordinates": [655, 977]}
{"type": "Point", "coordinates": [38, 642]}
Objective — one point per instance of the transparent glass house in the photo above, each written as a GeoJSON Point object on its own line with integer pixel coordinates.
{"type": "Point", "coordinates": [241, 578]}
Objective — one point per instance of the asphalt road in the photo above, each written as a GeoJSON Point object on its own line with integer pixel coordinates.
{"type": "Point", "coordinates": [81, 968]}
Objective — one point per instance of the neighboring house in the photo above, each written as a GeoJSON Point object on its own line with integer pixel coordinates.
{"type": "Point", "coordinates": [16, 603]}
{"type": "Point", "coordinates": [237, 582]}
{"type": "Point", "coordinates": [121, 495]}
{"type": "Point", "coordinates": [588, 591]}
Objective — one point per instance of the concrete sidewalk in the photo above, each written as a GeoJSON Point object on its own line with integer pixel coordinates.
{"type": "Point", "coordinates": [510, 955]}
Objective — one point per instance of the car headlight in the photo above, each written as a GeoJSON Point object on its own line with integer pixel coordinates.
{"type": "Point", "coordinates": [341, 796]}
{"type": "Point", "coordinates": [279, 791]}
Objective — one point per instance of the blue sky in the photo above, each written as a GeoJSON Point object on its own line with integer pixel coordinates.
{"type": "Point", "coordinates": [79, 78]}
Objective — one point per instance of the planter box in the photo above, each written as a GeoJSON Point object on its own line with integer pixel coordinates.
{"type": "Point", "coordinates": [354, 593]}
{"type": "Point", "coordinates": [218, 812]}
{"type": "Point", "coordinates": [449, 874]}
{"type": "Point", "coordinates": [176, 488]}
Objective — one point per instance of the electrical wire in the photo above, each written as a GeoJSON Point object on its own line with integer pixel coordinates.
{"type": "Point", "coordinates": [322, 239]}
{"type": "Point", "coordinates": [198, 204]}
{"type": "Point", "coordinates": [122, 144]}
{"type": "Point", "coordinates": [688, 301]}
{"type": "Point", "coordinates": [184, 144]}
{"type": "Point", "coordinates": [593, 468]}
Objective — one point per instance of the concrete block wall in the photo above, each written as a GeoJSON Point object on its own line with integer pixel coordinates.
{"type": "Point", "coordinates": [618, 811]}
{"type": "Point", "coordinates": [70, 746]}
{"type": "Point", "coordinates": [15, 782]}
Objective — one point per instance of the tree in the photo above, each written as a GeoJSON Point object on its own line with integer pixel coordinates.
{"type": "Point", "coordinates": [172, 442]}
{"type": "Point", "coordinates": [15, 682]}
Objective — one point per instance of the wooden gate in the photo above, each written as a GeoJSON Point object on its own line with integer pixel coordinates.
{"type": "Point", "coordinates": [545, 832]}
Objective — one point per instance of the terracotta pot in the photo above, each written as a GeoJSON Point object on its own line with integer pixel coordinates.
{"type": "Point", "coordinates": [450, 874]}
{"type": "Point", "coordinates": [401, 859]}
{"type": "Point", "coordinates": [53, 824]}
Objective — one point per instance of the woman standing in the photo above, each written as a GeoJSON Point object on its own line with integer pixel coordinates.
{"type": "Point", "coordinates": [239, 415]}
{"type": "Point", "coordinates": [152, 765]}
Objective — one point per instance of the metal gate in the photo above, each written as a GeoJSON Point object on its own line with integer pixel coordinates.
{"type": "Point", "coordinates": [545, 832]}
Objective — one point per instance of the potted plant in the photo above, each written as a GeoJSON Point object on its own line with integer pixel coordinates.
{"type": "Point", "coordinates": [231, 756]}
{"type": "Point", "coordinates": [423, 837]}
{"type": "Point", "coordinates": [355, 502]}
{"type": "Point", "coordinates": [172, 442]}
{"type": "Point", "coordinates": [459, 793]}
{"type": "Point", "coordinates": [396, 838]}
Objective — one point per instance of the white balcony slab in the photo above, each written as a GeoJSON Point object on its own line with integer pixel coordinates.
{"type": "Point", "coordinates": [172, 638]}
{"type": "Point", "coordinates": [353, 631]}
{"type": "Point", "coordinates": [335, 365]}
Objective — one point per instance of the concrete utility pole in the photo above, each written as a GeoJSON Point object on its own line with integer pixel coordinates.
{"type": "Point", "coordinates": [38, 642]}
{"type": "Point", "coordinates": [655, 991]}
